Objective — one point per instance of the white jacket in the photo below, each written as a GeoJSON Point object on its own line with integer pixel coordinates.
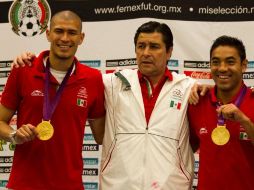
{"type": "Point", "coordinates": [137, 156]}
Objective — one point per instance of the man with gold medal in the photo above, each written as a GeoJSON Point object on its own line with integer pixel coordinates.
{"type": "Point", "coordinates": [221, 124]}
{"type": "Point", "coordinates": [53, 99]}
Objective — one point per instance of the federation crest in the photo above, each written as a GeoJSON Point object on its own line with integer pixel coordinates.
{"type": "Point", "coordinates": [29, 17]}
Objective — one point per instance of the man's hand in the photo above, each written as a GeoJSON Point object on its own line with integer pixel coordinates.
{"type": "Point", "coordinates": [25, 133]}
{"type": "Point", "coordinates": [196, 90]}
{"type": "Point", "coordinates": [231, 112]}
{"type": "Point", "coordinates": [22, 60]}
{"type": "Point", "coordinates": [98, 127]}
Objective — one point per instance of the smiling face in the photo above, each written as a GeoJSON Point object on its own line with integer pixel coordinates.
{"type": "Point", "coordinates": [65, 36]}
{"type": "Point", "coordinates": [151, 55]}
{"type": "Point", "coordinates": [227, 69]}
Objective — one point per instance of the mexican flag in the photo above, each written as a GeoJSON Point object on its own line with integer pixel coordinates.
{"type": "Point", "coordinates": [175, 104]}
{"type": "Point", "coordinates": [243, 136]}
{"type": "Point", "coordinates": [80, 102]}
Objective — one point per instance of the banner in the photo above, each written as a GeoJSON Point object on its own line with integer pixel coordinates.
{"type": "Point", "coordinates": [198, 10]}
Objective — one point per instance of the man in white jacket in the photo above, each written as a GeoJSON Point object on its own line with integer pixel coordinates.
{"type": "Point", "coordinates": [146, 141]}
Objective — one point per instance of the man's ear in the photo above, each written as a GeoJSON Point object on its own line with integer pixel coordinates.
{"type": "Point", "coordinates": [244, 65]}
{"type": "Point", "coordinates": [169, 53]}
{"type": "Point", "coordinates": [82, 37]}
{"type": "Point", "coordinates": [47, 35]}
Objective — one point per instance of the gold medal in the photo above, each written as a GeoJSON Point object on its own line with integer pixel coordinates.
{"type": "Point", "coordinates": [45, 130]}
{"type": "Point", "coordinates": [220, 135]}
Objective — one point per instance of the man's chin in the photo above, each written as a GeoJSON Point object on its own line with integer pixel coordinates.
{"type": "Point", "coordinates": [224, 88]}
{"type": "Point", "coordinates": [64, 57]}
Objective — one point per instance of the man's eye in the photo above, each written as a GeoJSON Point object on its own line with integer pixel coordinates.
{"type": "Point", "coordinates": [73, 33]}
{"type": "Point", "coordinates": [231, 62]}
{"type": "Point", "coordinates": [140, 46]}
{"type": "Point", "coordinates": [58, 31]}
{"type": "Point", "coordinates": [154, 47]}
{"type": "Point", "coordinates": [214, 63]}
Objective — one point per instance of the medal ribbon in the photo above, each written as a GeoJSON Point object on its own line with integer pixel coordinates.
{"type": "Point", "coordinates": [49, 107]}
{"type": "Point", "coordinates": [238, 101]}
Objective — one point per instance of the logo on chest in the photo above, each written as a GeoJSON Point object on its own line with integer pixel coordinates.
{"type": "Point", "coordinates": [82, 97]}
{"type": "Point", "coordinates": [203, 131]}
{"type": "Point", "coordinates": [176, 96]}
{"type": "Point", "coordinates": [243, 135]}
{"type": "Point", "coordinates": [37, 93]}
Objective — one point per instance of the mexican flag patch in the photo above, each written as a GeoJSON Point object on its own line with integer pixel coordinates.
{"type": "Point", "coordinates": [243, 136]}
{"type": "Point", "coordinates": [175, 104]}
{"type": "Point", "coordinates": [80, 102]}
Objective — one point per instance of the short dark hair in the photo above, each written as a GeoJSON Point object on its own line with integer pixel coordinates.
{"type": "Point", "coordinates": [229, 41]}
{"type": "Point", "coordinates": [153, 26]}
